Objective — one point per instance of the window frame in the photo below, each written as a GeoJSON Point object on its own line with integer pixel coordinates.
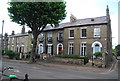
{"type": "Point", "coordinates": [40, 46]}
{"type": "Point", "coordinates": [96, 32]}
{"type": "Point", "coordinates": [82, 32]}
{"type": "Point", "coordinates": [70, 47]}
{"type": "Point", "coordinates": [84, 47]}
{"type": "Point", "coordinates": [70, 34]}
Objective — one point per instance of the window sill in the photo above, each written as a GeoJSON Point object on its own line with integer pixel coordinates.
{"type": "Point", "coordinates": [96, 36]}
{"type": "Point", "coordinates": [71, 38]}
{"type": "Point", "coordinates": [83, 37]}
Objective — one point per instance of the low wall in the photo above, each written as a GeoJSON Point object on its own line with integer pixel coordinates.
{"type": "Point", "coordinates": [66, 60]}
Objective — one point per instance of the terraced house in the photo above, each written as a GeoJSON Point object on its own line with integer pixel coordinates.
{"type": "Point", "coordinates": [20, 42]}
{"type": "Point", "coordinates": [78, 37]}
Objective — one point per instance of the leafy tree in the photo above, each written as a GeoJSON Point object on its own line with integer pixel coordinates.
{"type": "Point", "coordinates": [117, 48]}
{"type": "Point", "coordinates": [37, 15]}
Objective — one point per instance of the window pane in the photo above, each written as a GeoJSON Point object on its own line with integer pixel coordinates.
{"type": "Point", "coordinates": [83, 32]}
{"type": "Point", "coordinates": [71, 49]}
{"type": "Point", "coordinates": [96, 32]}
{"type": "Point", "coordinates": [71, 33]}
{"type": "Point", "coordinates": [83, 49]}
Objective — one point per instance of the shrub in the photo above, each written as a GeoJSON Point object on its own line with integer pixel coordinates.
{"type": "Point", "coordinates": [10, 53]}
{"type": "Point", "coordinates": [98, 54]}
{"type": "Point", "coordinates": [86, 59]}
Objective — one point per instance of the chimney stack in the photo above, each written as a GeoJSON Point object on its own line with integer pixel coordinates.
{"type": "Point", "coordinates": [23, 30]}
{"type": "Point", "coordinates": [13, 33]}
{"type": "Point", "coordinates": [72, 18]}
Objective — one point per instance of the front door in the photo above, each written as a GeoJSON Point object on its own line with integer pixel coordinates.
{"type": "Point", "coordinates": [60, 49]}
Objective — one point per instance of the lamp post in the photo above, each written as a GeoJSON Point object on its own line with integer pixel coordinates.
{"type": "Point", "coordinates": [2, 35]}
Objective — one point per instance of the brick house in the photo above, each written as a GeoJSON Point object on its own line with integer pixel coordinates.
{"type": "Point", "coordinates": [20, 42]}
{"type": "Point", "coordinates": [78, 37]}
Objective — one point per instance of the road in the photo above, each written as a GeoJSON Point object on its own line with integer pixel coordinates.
{"type": "Point", "coordinates": [36, 71]}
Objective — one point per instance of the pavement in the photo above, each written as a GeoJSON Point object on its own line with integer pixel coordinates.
{"type": "Point", "coordinates": [86, 68]}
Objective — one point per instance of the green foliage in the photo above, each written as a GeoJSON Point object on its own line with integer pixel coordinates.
{"type": "Point", "coordinates": [9, 52]}
{"type": "Point", "coordinates": [117, 48]}
{"type": "Point", "coordinates": [37, 15]}
{"type": "Point", "coordinates": [114, 52]}
{"type": "Point", "coordinates": [69, 56]}
{"type": "Point", "coordinates": [86, 59]}
{"type": "Point", "coordinates": [98, 54]}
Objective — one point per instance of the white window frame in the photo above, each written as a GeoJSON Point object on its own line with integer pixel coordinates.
{"type": "Point", "coordinates": [82, 45]}
{"type": "Point", "coordinates": [16, 48]}
{"type": "Point", "coordinates": [58, 47]}
{"type": "Point", "coordinates": [96, 32]}
{"type": "Point", "coordinates": [41, 36]}
{"type": "Point", "coordinates": [50, 34]}
{"type": "Point", "coordinates": [49, 46]}
{"type": "Point", "coordinates": [8, 47]}
{"type": "Point", "coordinates": [17, 40]}
{"type": "Point", "coordinates": [23, 48]}
{"type": "Point", "coordinates": [40, 46]}
{"type": "Point", "coordinates": [23, 40]}
{"type": "Point", "coordinates": [69, 34]}
{"type": "Point", "coordinates": [13, 39]}
{"type": "Point", "coordinates": [81, 32]}
{"type": "Point", "coordinates": [13, 47]}
{"type": "Point", "coordinates": [93, 46]}
{"type": "Point", "coordinates": [71, 48]}
{"type": "Point", "coordinates": [59, 35]}
{"type": "Point", "coordinates": [9, 40]}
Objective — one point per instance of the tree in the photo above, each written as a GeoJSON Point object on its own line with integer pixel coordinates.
{"type": "Point", "coordinates": [37, 15]}
{"type": "Point", "coordinates": [117, 48]}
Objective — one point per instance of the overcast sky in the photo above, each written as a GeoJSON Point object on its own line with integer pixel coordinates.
{"type": "Point", "coordinates": [79, 8]}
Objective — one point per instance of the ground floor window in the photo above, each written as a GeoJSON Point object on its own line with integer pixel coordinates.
{"type": "Point", "coordinates": [22, 49]}
{"type": "Point", "coordinates": [8, 47]}
{"type": "Point", "coordinates": [13, 47]}
{"type": "Point", "coordinates": [70, 48]}
{"type": "Point", "coordinates": [50, 49]}
{"type": "Point", "coordinates": [83, 49]}
{"type": "Point", "coordinates": [40, 49]}
{"type": "Point", "coordinates": [17, 49]}
{"type": "Point", "coordinates": [96, 47]}
{"type": "Point", "coordinates": [60, 49]}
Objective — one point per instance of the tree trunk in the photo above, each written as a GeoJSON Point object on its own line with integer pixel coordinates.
{"type": "Point", "coordinates": [33, 53]}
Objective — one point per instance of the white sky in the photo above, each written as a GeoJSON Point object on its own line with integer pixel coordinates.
{"type": "Point", "coordinates": [79, 8]}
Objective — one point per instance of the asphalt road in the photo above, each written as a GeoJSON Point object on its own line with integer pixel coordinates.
{"type": "Point", "coordinates": [42, 72]}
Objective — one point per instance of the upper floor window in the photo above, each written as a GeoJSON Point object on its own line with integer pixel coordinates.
{"type": "Point", "coordinates": [23, 40]}
{"type": "Point", "coordinates": [41, 37]}
{"type": "Point", "coordinates": [83, 33]}
{"type": "Point", "coordinates": [12, 39]}
{"type": "Point", "coordinates": [71, 33]}
{"type": "Point", "coordinates": [8, 40]}
{"type": "Point", "coordinates": [17, 40]}
{"type": "Point", "coordinates": [50, 37]}
{"type": "Point", "coordinates": [60, 35]}
{"type": "Point", "coordinates": [96, 32]}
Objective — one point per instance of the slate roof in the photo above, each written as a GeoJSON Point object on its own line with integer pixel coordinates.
{"type": "Point", "coordinates": [19, 35]}
{"type": "Point", "coordinates": [80, 22]}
